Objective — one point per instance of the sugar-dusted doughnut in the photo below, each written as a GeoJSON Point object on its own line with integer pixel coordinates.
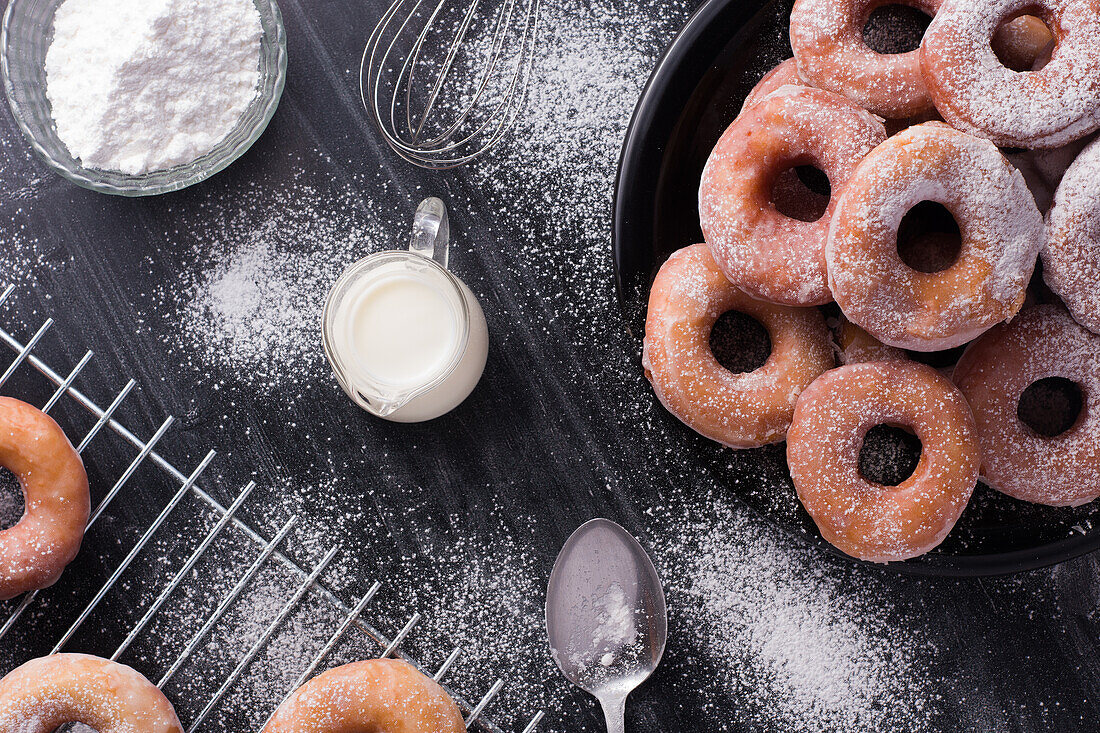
{"type": "Point", "coordinates": [862, 518]}
{"type": "Point", "coordinates": [855, 346]}
{"type": "Point", "coordinates": [768, 254]}
{"type": "Point", "coordinates": [785, 74]}
{"type": "Point", "coordinates": [1071, 257]}
{"type": "Point", "coordinates": [1042, 342]}
{"type": "Point", "coordinates": [743, 410]}
{"type": "Point", "coordinates": [976, 93]}
{"type": "Point", "coordinates": [789, 193]}
{"type": "Point", "coordinates": [35, 551]}
{"type": "Point", "coordinates": [827, 38]}
{"type": "Point", "coordinates": [47, 693]}
{"type": "Point", "coordinates": [376, 695]}
{"type": "Point", "coordinates": [1001, 231]}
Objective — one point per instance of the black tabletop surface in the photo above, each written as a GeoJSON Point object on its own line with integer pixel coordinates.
{"type": "Point", "coordinates": [209, 298]}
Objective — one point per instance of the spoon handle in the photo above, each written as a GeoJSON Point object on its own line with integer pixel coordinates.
{"type": "Point", "coordinates": [614, 712]}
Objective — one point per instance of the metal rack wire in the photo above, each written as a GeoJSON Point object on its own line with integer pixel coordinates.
{"type": "Point", "coordinates": [189, 485]}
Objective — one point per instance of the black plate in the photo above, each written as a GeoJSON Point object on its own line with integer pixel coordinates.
{"type": "Point", "coordinates": [694, 93]}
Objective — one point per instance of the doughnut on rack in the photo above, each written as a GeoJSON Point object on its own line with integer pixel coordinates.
{"type": "Point", "coordinates": [307, 580]}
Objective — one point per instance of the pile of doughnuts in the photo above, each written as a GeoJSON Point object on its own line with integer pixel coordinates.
{"type": "Point", "coordinates": [48, 693]}
{"type": "Point", "coordinates": [987, 122]}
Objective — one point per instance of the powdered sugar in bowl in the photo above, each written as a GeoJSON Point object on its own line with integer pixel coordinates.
{"type": "Point", "coordinates": [27, 34]}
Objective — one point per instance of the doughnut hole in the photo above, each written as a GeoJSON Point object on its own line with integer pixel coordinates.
{"type": "Point", "coordinates": [739, 342]}
{"type": "Point", "coordinates": [1023, 43]}
{"type": "Point", "coordinates": [929, 238]}
{"type": "Point", "coordinates": [1051, 406]}
{"type": "Point", "coordinates": [12, 505]}
{"type": "Point", "coordinates": [889, 455]}
{"type": "Point", "coordinates": [893, 29]}
{"type": "Point", "coordinates": [801, 191]}
{"type": "Point", "coordinates": [75, 728]}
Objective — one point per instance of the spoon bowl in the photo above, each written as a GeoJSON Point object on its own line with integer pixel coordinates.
{"type": "Point", "coordinates": [605, 615]}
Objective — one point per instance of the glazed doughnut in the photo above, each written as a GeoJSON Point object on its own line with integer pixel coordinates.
{"type": "Point", "coordinates": [765, 253]}
{"type": "Point", "coordinates": [1043, 341]}
{"type": "Point", "coordinates": [856, 346]}
{"type": "Point", "coordinates": [47, 693]}
{"type": "Point", "coordinates": [827, 38]}
{"type": "Point", "coordinates": [1071, 257]}
{"type": "Point", "coordinates": [376, 695]}
{"type": "Point", "coordinates": [1001, 230]}
{"type": "Point", "coordinates": [785, 74]}
{"type": "Point", "coordinates": [738, 410]}
{"type": "Point", "coordinates": [35, 551]}
{"type": "Point", "coordinates": [862, 518]}
{"type": "Point", "coordinates": [976, 93]}
{"type": "Point", "coordinates": [791, 196]}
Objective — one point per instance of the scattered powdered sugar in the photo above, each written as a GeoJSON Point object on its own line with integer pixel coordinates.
{"type": "Point", "coordinates": [254, 307]}
{"type": "Point", "coordinates": [593, 61]}
{"type": "Point", "coordinates": [803, 646]}
{"type": "Point", "coordinates": [485, 596]}
{"type": "Point", "coordinates": [269, 258]}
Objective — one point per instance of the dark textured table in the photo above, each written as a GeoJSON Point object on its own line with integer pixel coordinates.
{"type": "Point", "coordinates": [461, 518]}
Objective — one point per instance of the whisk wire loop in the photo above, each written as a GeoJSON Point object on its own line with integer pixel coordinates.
{"type": "Point", "coordinates": [487, 102]}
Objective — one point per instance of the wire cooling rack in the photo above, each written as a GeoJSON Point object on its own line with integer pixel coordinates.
{"type": "Point", "coordinates": [267, 553]}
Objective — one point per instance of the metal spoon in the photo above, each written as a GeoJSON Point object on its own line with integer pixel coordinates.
{"type": "Point", "coordinates": [605, 615]}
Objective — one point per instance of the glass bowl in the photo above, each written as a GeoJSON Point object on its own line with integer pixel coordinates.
{"type": "Point", "coordinates": [26, 35]}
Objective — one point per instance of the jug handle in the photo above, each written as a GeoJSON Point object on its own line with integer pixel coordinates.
{"type": "Point", "coordinates": [431, 231]}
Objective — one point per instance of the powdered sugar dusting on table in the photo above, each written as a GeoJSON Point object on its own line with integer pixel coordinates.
{"type": "Point", "coordinates": [805, 649]}
{"type": "Point", "coordinates": [254, 308]}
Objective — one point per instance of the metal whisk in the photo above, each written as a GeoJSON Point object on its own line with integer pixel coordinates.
{"type": "Point", "coordinates": [478, 61]}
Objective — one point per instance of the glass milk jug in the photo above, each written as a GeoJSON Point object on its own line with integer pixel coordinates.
{"type": "Point", "coordinates": [406, 339]}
